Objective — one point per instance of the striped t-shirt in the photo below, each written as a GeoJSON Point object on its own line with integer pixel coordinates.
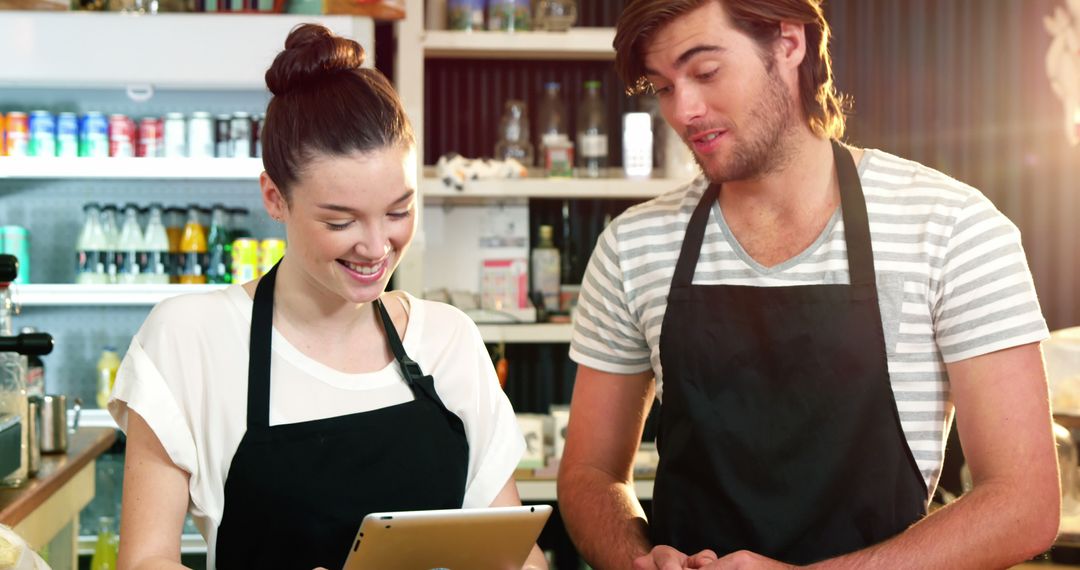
{"type": "Point", "coordinates": [953, 283]}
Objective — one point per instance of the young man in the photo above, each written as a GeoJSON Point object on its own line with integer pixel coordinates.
{"type": "Point", "coordinates": [811, 316]}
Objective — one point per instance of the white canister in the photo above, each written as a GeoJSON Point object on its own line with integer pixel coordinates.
{"type": "Point", "coordinates": [175, 135]}
{"type": "Point", "coordinates": [637, 145]}
{"type": "Point", "coordinates": [201, 135]}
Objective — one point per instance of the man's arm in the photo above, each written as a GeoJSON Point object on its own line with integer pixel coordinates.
{"type": "Point", "coordinates": [1012, 514]}
{"type": "Point", "coordinates": [596, 495]}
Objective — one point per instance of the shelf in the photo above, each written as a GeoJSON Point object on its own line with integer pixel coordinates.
{"type": "Point", "coordinates": [132, 168]}
{"type": "Point", "coordinates": [432, 189]}
{"type": "Point", "coordinates": [526, 333]}
{"type": "Point", "coordinates": [575, 44]}
{"type": "Point", "coordinates": [66, 295]}
{"type": "Point", "coordinates": [183, 51]}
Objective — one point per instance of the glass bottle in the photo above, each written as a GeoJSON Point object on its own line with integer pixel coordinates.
{"type": "Point", "coordinates": [514, 134]}
{"type": "Point", "coordinates": [106, 546]}
{"type": "Point", "coordinates": [129, 247]}
{"type": "Point", "coordinates": [238, 224]}
{"type": "Point", "coordinates": [157, 261]}
{"type": "Point", "coordinates": [111, 230]}
{"type": "Point", "coordinates": [509, 15]}
{"type": "Point", "coordinates": [551, 128]}
{"type": "Point", "coordinates": [13, 376]}
{"type": "Point", "coordinates": [545, 269]}
{"type": "Point", "coordinates": [219, 248]}
{"type": "Point", "coordinates": [193, 249]}
{"type": "Point", "coordinates": [555, 15]}
{"type": "Point", "coordinates": [91, 267]}
{"type": "Point", "coordinates": [592, 140]}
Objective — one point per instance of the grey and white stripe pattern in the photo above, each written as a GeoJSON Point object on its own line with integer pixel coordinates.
{"type": "Point", "coordinates": [953, 283]}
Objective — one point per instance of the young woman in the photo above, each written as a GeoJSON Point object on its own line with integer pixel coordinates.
{"type": "Point", "coordinates": [281, 411]}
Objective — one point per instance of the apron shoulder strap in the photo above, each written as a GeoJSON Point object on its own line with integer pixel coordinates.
{"type": "Point", "coordinates": [694, 237]}
{"type": "Point", "coordinates": [409, 368]}
{"type": "Point", "coordinates": [856, 222]}
{"type": "Point", "coordinates": [262, 317]}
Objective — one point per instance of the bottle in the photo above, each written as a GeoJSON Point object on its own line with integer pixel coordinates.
{"type": "Point", "coordinates": [106, 375]}
{"type": "Point", "coordinates": [193, 249]}
{"type": "Point", "coordinates": [111, 231]}
{"type": "Point", "coordinates": [174, 228]}
{"type": "Point", "coordinates": [592, 141]}
{"type": "Point", "coordinates": [552, 120]}
{"type": "Point", "coordinates": [129, 247]}
{"type": "Point", "coordinates": [637, 145]}
{"type": "Point", "coordinates": [514, 134]}
{"type": "Point", "coordinates": [106, 546]}
{"type": "Point", "coordinates": [91, 267]}
{"type": "Point", "coordinates": [238, 224]}
{"type": "Point", "coordinates": [157, 261]}
{"type": "Point", "coordinates": [35, 370]}
{"type": "Point", "coordinates": [13, 367]}
{"type": "Point", "coordinates": [219, 248]}
{"type": "Point", "coordinates": [556, 15]}
{"type": "Point", "coordinates": [545, 269]}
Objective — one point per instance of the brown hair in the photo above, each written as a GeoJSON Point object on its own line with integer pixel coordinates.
{"type": "Point", "coordinates": [760, 20]}
{"type": "Point", "coordinates": [325, 103]}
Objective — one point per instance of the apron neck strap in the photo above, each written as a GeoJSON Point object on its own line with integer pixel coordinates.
{"type": "Point", "coordinates": [262, 320]}
{"type": "Point", "coordinates": [852, 206]}
{"type": "Point", "coordinates": [409, 368]}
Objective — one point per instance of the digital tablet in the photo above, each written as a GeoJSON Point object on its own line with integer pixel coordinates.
{"type": "Point", "coordinates": [495, 538]}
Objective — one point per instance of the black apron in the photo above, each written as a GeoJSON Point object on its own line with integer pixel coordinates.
{"type": "Point", "coordinates": [296, 493]}
{"type": "Point", "coordinates": [778, 432]}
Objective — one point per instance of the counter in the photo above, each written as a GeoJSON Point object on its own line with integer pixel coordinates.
{"type": "Point", "coordinates": [45, 510]}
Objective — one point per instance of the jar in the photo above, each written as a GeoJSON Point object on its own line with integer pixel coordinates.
{"type": "Point", "coordinates": [509, 15]}
{"type": "Point", "coordinates": [465, 15]}
{"type": "Point", "coordinates": [514, 134]}
{"type": "Point", "coordinates": [555, 15]}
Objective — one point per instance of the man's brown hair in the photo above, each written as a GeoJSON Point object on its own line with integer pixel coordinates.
{"type": "Point", "coordinates": [760, 20]}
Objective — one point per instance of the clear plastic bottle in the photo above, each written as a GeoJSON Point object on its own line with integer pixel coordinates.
{"type": "Point", "coordinates": [552, 127]}
{"type": "Point", "coordinates": [592, 140]}
{"type": "Point", "coordinates": [91, 267]}
{"type": "Point", "coordinates": [514, 134]}
{"type": "Point", "coordinates": [107, 366]}
{"type": "Point", "coordinates": [157, 263]}
{"type": "Point", "coordinates": [111, 231]}
{"type": "Point", "coordinates": [129, 247]}
{"type": "Point", "coordinates": [106, 547]}
{"type": "Point", "coordinates": [219, 248]}
{"type": "Point", "coordinates": [545, 269]}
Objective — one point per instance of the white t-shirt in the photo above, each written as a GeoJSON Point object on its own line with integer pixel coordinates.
{"type": "Point", "coordinates": [186, 371]}
{"type": "Point", "coordinates": [953, 283]}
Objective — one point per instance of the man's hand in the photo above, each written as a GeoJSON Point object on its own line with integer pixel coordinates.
{"type": "Point", "coordinates": [668, 558]}
{"type": "Point", "coordinates": [744, 559]}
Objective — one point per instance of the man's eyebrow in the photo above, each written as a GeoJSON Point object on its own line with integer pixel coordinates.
{"type": "Point", "coordinates": [688, 55]}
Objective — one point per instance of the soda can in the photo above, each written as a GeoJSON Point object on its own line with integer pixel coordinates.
{"type": "Point", "coordinates": [151, 139]}
{"type": "Point", "coordinates": [270, 251]}
{"type": "Point", "coordinates": [240, 135]}
{"type": "Point", "coordinates": [67, 135]}
{"type": "Point", "coordinates": [16, 241]}
{"type": "Point", "coordinates": [201, 135]}
{"type": "Point", "coordinates": [245, 260]}
{"type": "Point", "coordinates": [121, 136]}
{"type": "Point", "coordinates": [222, 137]}
{"type": "Point", "coordinates": [17, 133]}
{"type": "Point", "coordinates": [42, 134]}
{"type": "Point", "coordinates": [175, 135]}
{"type": "Point", "coordinates": [3, 135]}
{"type": "Point", "coordinates": [256, 135]}
{"type": "Point", "coordinates": [93, 135]}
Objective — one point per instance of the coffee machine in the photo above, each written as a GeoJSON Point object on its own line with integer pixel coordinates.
{"type": "Point", "coordinates": [15, 425]}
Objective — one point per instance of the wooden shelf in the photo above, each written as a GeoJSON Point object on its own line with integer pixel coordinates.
{"type": "Point", "coordinates": [574, 44]}
{"type": "Point", "coordinates": [433, 190]}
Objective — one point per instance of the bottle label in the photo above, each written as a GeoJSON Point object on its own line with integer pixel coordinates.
{"type": "Point", "coordinates": [127, 262]}
{"type": "Point", "coordinates": [193, 264]}
{"type": "Point", "coordinates": [155, 262]}
{"type": "Point", "coordinates": [593, 146]}
{"type": "Point", "coordinates": [91, 261]}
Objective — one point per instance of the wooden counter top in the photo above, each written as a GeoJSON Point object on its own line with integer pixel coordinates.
{"type": "Point", "coordinates": [55, 470]}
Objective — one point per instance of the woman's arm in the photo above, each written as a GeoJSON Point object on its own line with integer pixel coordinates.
{"type": "Point", "coordinates": [155, 501]}
{"type": "Point", "coordinates": [508, 497]}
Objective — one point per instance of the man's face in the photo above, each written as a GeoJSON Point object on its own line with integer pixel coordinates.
{"type": "Point", "coordinates": [724, 98]}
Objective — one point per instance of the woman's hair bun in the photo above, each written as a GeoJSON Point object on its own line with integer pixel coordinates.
{"type": "Point", "coordinates": [312, 52]}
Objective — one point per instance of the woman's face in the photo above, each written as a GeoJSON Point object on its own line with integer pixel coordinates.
{"type": "Point", "coordinates": [349, 220]}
